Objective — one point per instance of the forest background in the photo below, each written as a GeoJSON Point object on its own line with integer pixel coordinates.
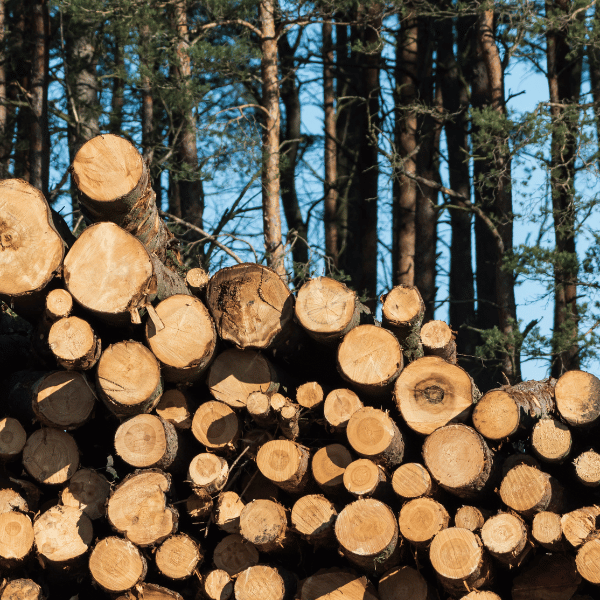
{"type": "Point", "coordinates": [451, 145]}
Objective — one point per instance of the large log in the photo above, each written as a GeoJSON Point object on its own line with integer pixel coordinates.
{"type": "Point", "coordinates": [421, 519]}
{"type": "Point", "coordinates": [412, 480]}
{"type": "Point", "coordinates": [577, 395]}
{"type": "Point", "coordinates": [313, 517]}
{"type": "Point", "coordinates": [16, 539]}
{"type": "Point", "coordinates": [263, 523]}
{"type": "Point", "coordinates": [50, 456]}
{"type": "Point", "coordinates": [217, 585]}
{"type": "Point", "coordinates": [261, 582]}
{"type": "Point", "coordinates": [506, 538]}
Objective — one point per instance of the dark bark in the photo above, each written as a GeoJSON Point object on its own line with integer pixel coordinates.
{"type": "Point", "coordinates": [4, 110]}
{"type": "Point", "coordinates": [21, 65]}
{"type": "Point", "coordinates": [117, 100]}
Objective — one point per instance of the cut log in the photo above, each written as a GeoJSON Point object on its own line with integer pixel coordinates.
{"type": "Point", "coordinates": [74, 344]}
{"type": "Point", "coordinates": [285, 463]}
{"type": "Point", "coordinates": [404, 583]}
{"type": "Point", "coordinates": [251, 306]}
{"type": "Point", "coordinates": [208, 473]}
{"type": "Point", "coordinates": [551, 441]}
{"type": "Point", "coordinates": [313, 518]}
{"type": "Point", "coordinates": [59, 305]}
{"type": "Point", "coordinates": [421, 519]}
{"type": "Point", "coordinates": [217, 585]}
{"type": "Point", "coordinates": [128, 379]}
{"type": "Point", "coordinates": [22, 589]}
{"type": "Point", "coordinates": [51, 456]}
{"type": "Point", "coordinates": [228, 509]}
{"type": "Point", "coordinates": [458, 459]}
{"type": "Point", "coordinates": [233, 554]}
{"type": "Point", "coordinates": [151, 591]}
{"type": "Point", "coordinates": [216, 426]}
{"type": "Point", "coordinates": [579, 525]}
{"type": "Point", "coordinates": [288, 414]}
{"type": "Point", "coordinates": [431, 393]}
{"type": "Point", "coordinates": [505, 537]}
{"type": "Point", "coordinates": [12, 439]}
{"type": "Point", "coordinates": [364, 479]}
{"type": "Point", "coordinates": [469, 517]}
{"type": "Point", "coordinates": [528, 491]}
{"type": "Point", "coordinates": [174, 407]}
{"type": "Point", "coordinates": [263, 523]}
{"type": "Point", "coordinates": [31, 249]}
{"type": "Point", "coordinates": [438, 340]}
{"type": "Point", "coordinates": [199, 507]}
{"type": "Point", "coordinates": [87, 490]}
{"type": "Point", "coordinates": [481, 595]}
{"type": "Point", "coordinates": [137, 508]}
{"type": "Point", "coordinates": [259, 582]}
{"type": "Point", "coordinates": [185, 344]}
{"type": "Point", "coordinates": [16, 538]}
{"type": "Point", "coordinates": [550, 577]}
{"type": "Point", "coordinates": [116, 565]}
{"type": "Point", "coordinates": [11, 500]}
{"type": "Point", "coordinates": [114, 185]}
{"type": "Point", "coordinates": [63, 536]}
{"type": "Point", "coordinates": [412, 480]}
{"type": "Point", "coordinates": [519, 459]}
{"type": "Point", "coordinates": [587, 468]}
{"type": "Point", "coordinates": [178, 556]}
{"type": "Point", "coordinates": [310, 395]}
{"type": "Point", "coordinates": [370, 359]}
{"type": "Point", "coordinates": [235, 374]}
{"type": "Point", "coordinates": [146, 441]}
{"type": "Point", "coordinates": [328, 309]}
{"type": "Point", "coordinates": [259, 408]}
{"type": "Point", "coordinates": [367, 533]}
{"type": "Point", "coordinates": [546, 530]}
{"type": "Point", "coordinates": [503, 412]}
{"type": "Point", "coordinates": [403, 312]}
{"type": "Point", "coordinates": [373, 434]}
{"type": "Point", "coordinates": [588, 561]}
{"type": "Point", "coordinates": [63, 399]}
{"type": "Point", "coordinates": [197, 280]}
{"type": "Point", "coordinates": [328, 466]}
{"type": "Point", "coordinates": [333, 584]}
{"type": "Point", "coordinates": [339, 406]}
{"type": "Point", "coordinates": [459, 561]}
{"type": "Point", "coordinates": [577, 395]}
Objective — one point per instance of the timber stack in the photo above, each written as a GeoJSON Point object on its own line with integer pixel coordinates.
{"type": "Point", "coordinates": [166, 435]}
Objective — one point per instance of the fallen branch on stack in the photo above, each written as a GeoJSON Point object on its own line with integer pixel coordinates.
{"type": "Point", "coordinates": [168, 437]}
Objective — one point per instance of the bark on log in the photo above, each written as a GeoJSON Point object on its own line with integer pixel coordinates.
{"type": "Point", "coordinates": [313, 518]}
{"type": "Point", "coordinates": [88, 491]}
{"type": "Point", "coordinates": [437, 339]}
{"type": "Point", "coordinates": [51, 456]}
{"type": "Point", "coordinates": [178, 556]}
{"type": "Point", "coordinates": [328, 466]}
{"type": "Point", "coordinates": [339, 406]}
{"type": "Point", "coordinates": [546, 530]}
{"type": "Point", "coordinates": [263, 523]}
{"type": "Point", "coordinates": [421, 519]}
{"type": "Point", "coordinates": [74, 344]}
{"type": "Point", "coordinates": [22, 589]}
{"type": "Point", "coordinates": [285, 463]}
{"type": "Point", "coordinates": [233, 554]}
{"type": "Point", "coordinates": [412, 480]}
{"type": "Point", "coordinates": [216, 426]}
{"type": "Point", "coordinates": [12, 439]}
{"type": "Point", "coordinates": [506, 538]}
{"type": "Point", "coordinates": [404, 582]}
{"type": "Point", "coordinates": [577, 396]}
{"type": "Point", "coordinates": [208, 473]}
{"type": "Point", "coordinates": [551, 441]}
{"type": "Point", "coordinates": [587, 468]}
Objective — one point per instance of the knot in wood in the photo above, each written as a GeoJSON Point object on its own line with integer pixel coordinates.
{"type": "Point", "coordinates": [433, 394]}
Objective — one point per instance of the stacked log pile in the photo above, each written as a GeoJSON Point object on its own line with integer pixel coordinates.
{"type": "Point", "coordinates": [165, 435]}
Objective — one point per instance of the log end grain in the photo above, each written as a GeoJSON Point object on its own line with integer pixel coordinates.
{"type": "Point", "coordinates": [22, 589]}
{"type": "Point", "coordinates": [403, 583]}
{"type": "Point", "coordinates": [16, 537]}
{"type": "Point", "coordinates": [587, 468]}
{"type": "Point", "coordinates": [588, 561]}
{"type": "Point", "coordinates": [469, 517]}
{"type": "Point", "coordinates": [328, 466]}
{"type": "Point", "coordinates": [496, 415]}
{"type": "Point", "coordinates": [339, 406]}
{"type": "Point", "coordinates": [438, 340]}
{"type": "Point", "coordinates": [313, 517]}
{"type": "Point", "coordinates": [551, 440]}
{"type": "Point", "coordinates": [362, 477]}
{"type": "Point", "coordinates": [59, 304]}
{"type": "Point", "coordinates": [412, 480]}
{"type": "Point", "coordinates": [216, 426]}
{"type": "Point", "coordinates": [12, 438]}
{"type": "Point", "coordinates": [233, 554]}
{"type": "Point", "coordinates": [175, 408]}
{"type": "Point", "coordinates": [261, 582]}
{"type": "Point", "coordinates": [402, 306]}
{"type": "Point", "coordinates": [217, 585]}
{"type": "Point", "coordinates": [526, 490]}
{"type": "Point", "coordinates": [88, 491]}
{"type": "Point", "coordinates": [285, 463]}
{"type": "Point", "coordinates": [74, 343]}
{"type": "Point", "coordinates": [577, 395]}
{"type": "Point", "coordinates": [421, 519]}
{"type": "Point", "coordinates": [208, 472]}
{"type": "Point", "coordinates": [546, 530]}
{"type": "Point", "coordinates": [263, 523]}
{"type": "Point", "coordinates": [227, 512]}
{"type": "Point", "coordinates": [310, 395]}
{"type": "Point", "coordinates": [329, 584]}
{"type": "Point", "coordinates": [178, 556]}
{"type": "Point", "coordinates": [51, 456]}
{"type": "Point", "coordinates": [116, 564]}
{"type": "Point", "coordinates": [505, 537]}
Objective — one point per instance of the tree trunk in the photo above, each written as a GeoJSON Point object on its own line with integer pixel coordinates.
{"type": "Point", "coordinates": [5, 133]}
{"type": "Point", "coordinates": [117, 100]}
{"type": "Point", "coordinates": [112, 551]}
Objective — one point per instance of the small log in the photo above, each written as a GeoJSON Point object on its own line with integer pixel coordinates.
{"type": "Point", "coordinates": [22, 589]}
{"type": "Point", "coordinates": [373, 434]}
{"type": "Point", "coordinates": [74, 344]}
{"type": "Point", "coordinates": [310, 395]}
{"type": "Point", "coordinates": [116, 565]}
{"type": "Point", "coordinates": [370, 359]}
{"type": "Point", "coordinates": [178, 556]}
{"type": "Point", "coordinates": [151, 591]}
{"type": "Point", "coordinates": [481, 595]}
{"type": "Point", "coordinates": [217, 585]}
{"type": "Point", "coordinates": [197, 280]}
{"type": "Point", "coordinates": [258, 405]}
{"type": "Point", "coordinates": [577, 395]}
{"type": "Point", "coordinates": [235, 374]}
{"type": "Point", "coordinates": [146, 441]}
{"type": "Point", "coordinates": [437, 339]}
{"type": "Point", "coordinates": [550, 576]}
{"type": "Point", "coordinates": [578, 526]}
{"type": "Point", "coordinates": [551, 441]}
{"type": "Point", "coordinates": [328, 466]}
{"type": "Point", "coordinates": [199, 507]}
{"type": "Point", "coordinates": [208, 473]}
{"type": "Point", "coordinates": [469, 517]}
{"type": "Point", "coordinates": [365, 479]}
{"type": "Point", "coordinates": [261, 582]}
{"type": "Point", "coordinates": [137, 508]}
{"type": "Point", "coordinates": [506, 538]}
{"type": "Point", "coordinates": [128, 379]}
{"type": "Point", "coordinates": [251, 306]}
{"type": "Point", "coordinates": [63, 535]}
{"type": "Point", "coordinates": [59, 305]}
{"type": "Point", "coordinates": [367, 532]}
{"type": "Point", "coordinates": [285, 463]}
{"type": "Point", "coordinates": [403, 583]}
{"type": "Point", "coordinates": [51, 456]}
{"type": "Point", "coordinates": [587, 468]}
{"type": "Point", "coordinates": [11, 500]}
{"type": "Point", "coordinates": [263, 523]}
{"type": "Point", "coordinates": [87, 490]}
{"type": "Point", "coordinates": [431, 393]}
{"type": "Point", "coordinates": [216, 426]}
{"type": "Point", "coordinates": [421, 519]}
{"type": "Point", "coordinates": [588, 561]}
{"type": "Point", "coordinates": [233, 554]}
{"type": "Point", "coordinates": [458, 459]}
{"type": "Point", "coordinates": [459, 561]}
{"type": "Point", "coordinates": [185, 344]}
{"type": "Point", "coordinates": [228, 509]}
{"type": "Point", "coordinates": [16, 538]}
{"type": "Point", "coordinates": [313, 518]}
{"type": "Point", "coordinates": [174, 407]}
{"type": "Point", "coordinates": [328, 584]}
{"type": "Point", "coordinates": [412, 480]}
{"type": "Point", "coordinates": [287, 416]}
{"type": "Point", "coordinates": [12, 439]}
{"type": "Point", "coordinates": [339, 406]}
{"type": "Point", "coordinates": [546, 530]}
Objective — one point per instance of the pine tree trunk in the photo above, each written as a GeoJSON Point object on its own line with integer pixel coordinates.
{"type": "Point", "coordinates": [5, 133]}
{"type": "Point", "coordinates": [117, 100]}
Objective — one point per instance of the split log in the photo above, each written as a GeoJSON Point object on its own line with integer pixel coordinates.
{"type": "Point", "coordinates": [310, 395]}
{"type": "Point", "coordinates": [469, 517]}
{"type": "Point", "coordinates": [88, 491]}
{"type": "Point", "coordinates": [228, 509]}
{"type": "Point", "coordinates": [546, 530]}
{"type": "Point", "coordinates": [114, 185]}
{"type": "Point", "coordinates": [183, 338]}
{"type": "Point", "coordinates": [137, 508]}
{"type": "Point", "coordinates": [421, 519]}
{"type": "Point", "coordinates": [579, 525]}
{"type": "Point", "coordinates": [51, 456]}
{"type": "Point", "coordinates": [313, 518]}
{"type": "Point", "coordinates": [328, 466]}
{"type": "Point", "coordinates": [551, 441]}
{"type": "Point", "coordinates": [370, 359]}
{"type": "Point", "coordinates": [458, 459]}
{"type": "Point", "coordinates": [437, 339]}
{"type": "Point", "coordinates": [506, 538]}
{"type": "Point", "coordinates": [431, 393]}
{"type": "Point", "coordinates": [235, 374]}
{"type": "Point", "coordinates": [208, 473]}
{"type": "Point", "coordinates": [128, 379]}
{"type": "Point", "coordinates": [174, 407]}
{"type": "Point", "coordinates": [12, 439]}
{"type": "Point", "coordinates": [74, 344]}
{"type": "Point", "coordinates": [587, 468]}
{"type": "Point", "coordinates": [251, 306]}
{"type": "Point", "coordinates": [285, 463]}
{"type": "Point", "coordinates": [373, 434]}
{"type": "Point", "coordinates": [367, 532]}
{"type": "Point", "coordinates": [197, 280]}
{"type": "Point", "coordinates": [233, 554]}
{"type": "Point", "coordinates": [217, 585]}
{"type": "Point", "coordinates": [16, 538]}
{"type": "Point", "coordinates": [339, 406]}
{"type": "Point", "coordinates": [365, 479]}
{"type": "Point", "coordinates": [577, 395]}
{"type": "Point", "coordinates": [412, 480]}
{"type": "Point", "coordinates": [588, 561]}
{"type": "Point", "coordinates": [258, 405]}
{"type": "Point", "coordinates": [178, 556]}
{"type": "Point", "coordinates": [261, 582]}
{"type": "Point", "coordinates": [503, 412]}
{"type": "Point", "coordinates": [117, 565]}
{"type": "Point", "coordinates": [328, 309]}
{"type": "Point", "coordinates": [329, 584]}
{"type": "Point", "coordinates": [551, 576]}
{"type": "Point", "coordinates": [263, 523]}
{"type": "Point", "coordinates": [404, 583]}
{"type": "Point", "coordinates": [216, 426]}
{"type": "Point", "coordinates": [22, 589]}
{"type": "Point", "coordinates": [403, 312]}
{"type": "Point", "coordinates": [146, 441]}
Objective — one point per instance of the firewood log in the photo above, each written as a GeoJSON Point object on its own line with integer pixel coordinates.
{"type": "Point", "coordinates": [261, 582]}
{"type": "Point", "coordinates": [588, 560]}
{"type": "Point", "coordinates": [404, 582]}
{"type": "Point", "coordinates": [208, 473]}
{"type": "Point", "coordinates": [328, 584]}
{"type": "Point", "coordinates": [151, 591]}
{"type": "Point", "coordinates": [197, 280]}
{"type": "Point", "coordinates": [74, 344]}
{"type": "Point", "coordinates": [580, 525]}
{"type": "Point", "coordinates": [310, 395]}
{"type": "Point", "coordinates": [469, 517]}
{"type": "Point", "coordinates": [549, 576]}
{"type": "Point", "coordinates": [546, 530]}
{"type": "Point", "coordinates": [421, 519]}
{"type": "Point", "coordinates": [437, 339]}
{"type": "Point", "coordinates": [505, 536]}
{"type": "Point", "coordinates": [587, 468]}
{"type": "Point", "coordinates": [58, 304]}
{"type": "Point", "coordinates": [328, 466]}
{"type": "Point", "coordinates": [514, 460]}
{"type": "Point", "coordinates": [50, 456]}
{"type": "Point", "coordinates": [227, 511]}
{"type": "Point", "coordinates": [175, 406]}
{"type": "Point", "coordinates": [217, 585]}
{"type": "Point", "coordinates": [577, 395]}
{"type": "Point", "coordinates": [481, 595]}
{"type": "Point", "coordinates": [313, 518]}
{"type": "Point", "coordinates": [22, 589]}
{"type": "Point", "coordinates": [339, 406]}
{"type": "Point", "coordinates": [216, 426]}
{"type": "Point", "coordinates": [263, 523]}
{"type": "Point", "coordinates": [288, 414]}
{"type": "Point", "coordinates": [199, 506]}
{"type": "Point", "coordinates": [258, 405]}
{"type": "Point", "coordinates": [87, 490]}
{"type": "Point", "coordinates": [285, 463]}
{"type": "Point", "coordinates": [412, 480]}
{"type": "Point", "coordinates": [16, 539]}
{"type": "Point", "coordinates": [178, 556]}
{"type": "Point", "coordinates": [233, 554]}
{"type": "Point", "coordinates": [12, 439]}
{"type": "Point", "coordinates": [365, 479]}
{"type": "Point", "coordinates": [551, 441]}
{"type": "Point", "coordinates": [11, 500]}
